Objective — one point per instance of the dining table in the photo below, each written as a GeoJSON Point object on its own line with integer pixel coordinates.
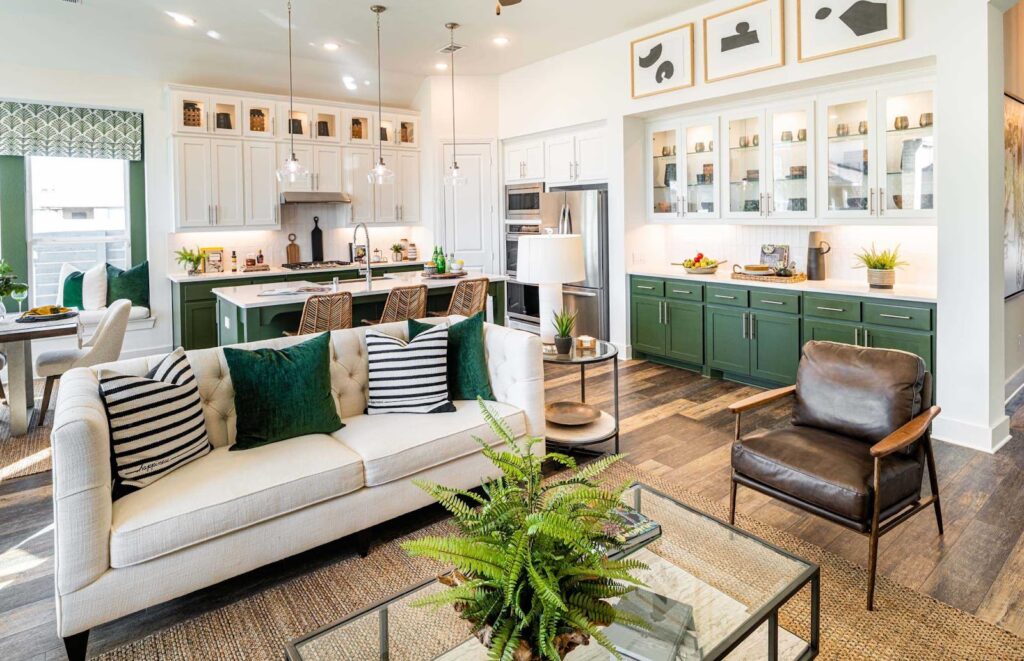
{"type": "Point", "coordinates": [16, 343]}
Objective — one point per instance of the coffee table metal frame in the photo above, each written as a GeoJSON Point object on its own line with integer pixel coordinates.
{"type": "Point", "coordinates": [606, 351]}
{"type": "Point", "coordinates": [769, 612]}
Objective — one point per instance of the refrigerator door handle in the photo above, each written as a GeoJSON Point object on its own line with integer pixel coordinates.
{"type": "Point", "coordinates": [581, 294]}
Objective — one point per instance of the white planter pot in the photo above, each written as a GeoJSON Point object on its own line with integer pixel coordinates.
{"type": "Point", "coordinates": [881, 278]}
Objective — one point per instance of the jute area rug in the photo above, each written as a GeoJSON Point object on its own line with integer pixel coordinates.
{"type": "Point", "coordinates": [906, 624]}
{"type": "Point", "coordinates": [27, 454]}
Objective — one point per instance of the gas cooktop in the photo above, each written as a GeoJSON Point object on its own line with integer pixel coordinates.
{"type": "Point", "coordinates": [315, 266]}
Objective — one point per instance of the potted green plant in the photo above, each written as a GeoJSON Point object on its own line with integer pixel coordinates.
{"type": "Point", "coordinates": [881, 266]}
{"type": "Point", "coordinates": [192, 260]}
{"type": "Point", "coordinates": [396, 252]}
{"type": "Point", "coordinates": [564, 323]}
{"type": "Point", "coordinates": [532, 572]}
{"type": "Point", "coordinates": [8, 285]}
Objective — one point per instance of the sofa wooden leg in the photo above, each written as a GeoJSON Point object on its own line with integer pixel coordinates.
{"type": "Point", "coordinates": [45, 406]}
{"type": "Point", "coordinates": [732, 503]}
{"type": "Point", "coordinates": [933, 479]}
{"type": "Point", "coordinates": [76, 646]}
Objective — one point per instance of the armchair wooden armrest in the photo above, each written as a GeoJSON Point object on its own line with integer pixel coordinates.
{"type": "Point", "coordinates": [906, 435]}
{"type": "Point", "coordinates": [761, 399]}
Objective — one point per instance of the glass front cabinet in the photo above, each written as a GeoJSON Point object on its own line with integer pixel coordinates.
{"type": "Point", "coordinates": [879, 147]}
{"type": "Point", "coordinates": [684, 163]}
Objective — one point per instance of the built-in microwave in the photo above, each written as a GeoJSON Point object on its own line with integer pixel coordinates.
{"type": "Point", "coordinates": [522, 202]}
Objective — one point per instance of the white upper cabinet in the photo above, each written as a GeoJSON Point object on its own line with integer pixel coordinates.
{"type": "Point", "coordinates": [304, 155]}
{"type": "Point", "coordinates": [259, 118]}
{"type": "Point", "coordinates": [358, 127]}
{"type": "Point", "coordinates": [192, 182]}
{"type": "Point", "coordinates": [524, 161]}
{"type": "Point", "coordinates": [388, 194]}
{"type": "Point", "coordinates": [559, 160]}
{"type": "Point", "coordinates": [358, 162]}
{"type": "Point", "coordinates": [326, 169]}
{"type": "Point", "coordinates": [683, 161]}
{"type": "Point", "coordinates": [399, 131]}
{"type": "Point", "coordinates": [591, 162]}
{"type": "Point", "coordinates": [790, 171]}
{"type": "Point", "coordinates": [295, 121]}
{"type": "Point", "coordinates": [261, 200]}
{"type": "Point", "coordinates": [205, 113]}
{"type": "Point", "coordinates": [327, 124]}
{"type": "Point", "coordinates": [407, 172]}
{"type": "Point", "coordinates": [906, 118]}
{"type": "Point", "coordinates": [227, 183]}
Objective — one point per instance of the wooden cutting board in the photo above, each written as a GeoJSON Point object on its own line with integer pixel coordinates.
{"type": "Point", "coordinates": [292, 253]}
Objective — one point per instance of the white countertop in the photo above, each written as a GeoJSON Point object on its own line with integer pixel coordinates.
{"type": "Point", "coordinates": [248, 296]}
{"type": "Point", "coordinates": [278, 271]}
{"type": "Point", "coordinates": [912, 293]}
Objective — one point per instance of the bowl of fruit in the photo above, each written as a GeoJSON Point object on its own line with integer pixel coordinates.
{"type": "Point", "coordinates": [701, 265]}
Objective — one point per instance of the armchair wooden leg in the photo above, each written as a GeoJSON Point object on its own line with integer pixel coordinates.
{"type": "Point", "coordinates": [77, 645]}
{"type": "Point", "coordinates": [47, 391]}
{"type": "Point", "coordinates": [873, 539]}
{"type": "Point", "coordinates": [3, 395]}
{"type": "Point", "coordinates": [732, 503]}
{"type": "Point", "coordinates": [933, 479]}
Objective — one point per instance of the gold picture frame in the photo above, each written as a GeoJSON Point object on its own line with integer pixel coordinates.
{"type": "Point", "coordinates": [692, 28]}
{"type": "Point", "coordinates": [781, 37]}
{"type": "Point", "coordinates": [800, 36]}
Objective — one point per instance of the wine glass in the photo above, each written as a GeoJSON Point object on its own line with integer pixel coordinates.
{"type": "Point", "coordinates": [20, 296]}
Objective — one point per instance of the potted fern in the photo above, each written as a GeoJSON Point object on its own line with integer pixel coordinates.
{"type": "Point", "coordinates": [192, 260]}
{"type": "Point", "coordinates": [396, 252]}
{"type": "Point", "coordinates": [564, 323]}
{"type": "Point", "coordinates": [532, 572]}
{"type": "Point", "coordinates": [881, 266]}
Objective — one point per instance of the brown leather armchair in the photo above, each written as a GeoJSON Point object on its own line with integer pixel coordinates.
{"type": "Point", "coordinates": [858, 445]}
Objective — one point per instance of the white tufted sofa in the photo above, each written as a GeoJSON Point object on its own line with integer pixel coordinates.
{"type": "Point", "coordinates": [231, 512]}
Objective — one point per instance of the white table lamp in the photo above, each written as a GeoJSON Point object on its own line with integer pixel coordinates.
{"type": "Point", "coordinates": [549, 261]}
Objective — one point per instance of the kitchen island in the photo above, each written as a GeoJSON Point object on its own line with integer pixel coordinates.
{"type": "Point", "coordinates": [246, 313]}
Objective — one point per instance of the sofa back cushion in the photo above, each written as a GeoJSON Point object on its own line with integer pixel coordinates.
{"type": "Point", "coordinates": [861, 393]}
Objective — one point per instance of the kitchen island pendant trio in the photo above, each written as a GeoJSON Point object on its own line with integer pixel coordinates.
{"type": "Point", "coordinates": [454, 177]}
{"type": "Point", "coordinates": [291, 171]}
{"type": "Point", "coordinates": [380, 174]}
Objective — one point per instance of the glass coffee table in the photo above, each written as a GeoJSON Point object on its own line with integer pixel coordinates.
{"type": "Point", "coordinates": [712, 591]}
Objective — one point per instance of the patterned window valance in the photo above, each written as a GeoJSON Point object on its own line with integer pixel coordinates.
{"type": "Point", "coordinates": [33, 129]}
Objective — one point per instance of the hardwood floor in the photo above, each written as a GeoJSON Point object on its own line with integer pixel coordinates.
{"type": "Point", "coordinates": [674, 424]}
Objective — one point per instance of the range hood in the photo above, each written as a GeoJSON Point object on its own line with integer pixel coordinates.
{"type": "Point", "coordinates": [314, 197]}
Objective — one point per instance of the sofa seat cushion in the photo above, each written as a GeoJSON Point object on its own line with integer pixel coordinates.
{"type": "Point", "coordinates": [394, 446]}
{"type": "Point", "coordinates": [227, 491]}
{"type": "Point", "coordinates": [824, 469]}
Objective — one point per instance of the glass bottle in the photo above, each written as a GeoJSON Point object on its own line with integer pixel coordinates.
{"type": "Point", "coordinates": [442, 265]}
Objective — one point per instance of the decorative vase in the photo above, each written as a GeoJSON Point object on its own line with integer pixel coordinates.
{"type": "Point", "coordinates": [881, 278]}
{"type": "Point", "coordinates": [396, 256]}
{"type": "Point", "coordinates": [563, 345]}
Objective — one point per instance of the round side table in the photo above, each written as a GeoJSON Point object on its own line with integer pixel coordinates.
{"type": "Point", "coordinates": [577, 424]}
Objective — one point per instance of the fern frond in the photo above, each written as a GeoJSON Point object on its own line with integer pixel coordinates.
{"type": "Point", "coordinates": [496, 422]}
{"type": "Point", "coordinates": [518, 557]}
{"type": "Point", "coordinates": [465, 554]}
{"type": "Point", "coordinates": [545, 591]}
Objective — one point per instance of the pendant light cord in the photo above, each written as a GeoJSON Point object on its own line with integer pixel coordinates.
{"type": "Point", "coordinates": [291, 89]}
{"type": "Point", "coordinates": [455, 158]}
{"type": "Point", "coordinates": [380, 103]}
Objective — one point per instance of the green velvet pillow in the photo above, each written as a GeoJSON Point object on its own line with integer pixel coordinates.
{"type": "Point", "coordinates": [132, 284]}
{"type": "Point", "coordinates": [467, 359]}
{"type": "Point", "coordinates": [73, 290]}
{"type": "Point", "coordinates": [281, 394]}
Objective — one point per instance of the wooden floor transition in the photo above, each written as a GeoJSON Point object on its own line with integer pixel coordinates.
{"type": "Point", "coordinates": [674, 424]}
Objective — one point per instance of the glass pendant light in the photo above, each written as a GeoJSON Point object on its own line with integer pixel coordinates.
{"type": "Point", "coordinates": [454, 177]}
{"type": "Point", "coordinates": [291, 171]}
{"type": "Point", "coordinates": [380, 174]}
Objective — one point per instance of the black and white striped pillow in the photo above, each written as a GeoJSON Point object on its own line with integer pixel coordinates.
{"type": "Point", "coordinates": [409, 378]}
{"type": "Point", "coordinates": [156, 422]}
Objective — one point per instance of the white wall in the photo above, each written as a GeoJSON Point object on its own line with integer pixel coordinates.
{"type": "Point", "coordinates": [958, 43]}
{"type": "Point", "coordinates": [1013, 36]}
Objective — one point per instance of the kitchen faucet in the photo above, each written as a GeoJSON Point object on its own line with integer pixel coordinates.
{"type": "Point", "coordinates": [369, 268]}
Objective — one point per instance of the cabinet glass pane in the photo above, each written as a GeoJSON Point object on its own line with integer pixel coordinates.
{"type": "Point", "coordinates": [407, 132]}
{"type": "Point", "coordinates": [359, 128]}
{"type": "Point", "coordinates": [225, 116]}
{"type": "Point", "coordinates": [700, 169]}
{"type": "Point", "coordinates": [193, 113]}
{"type": "Point", "coordinates": [745, 165]}
{"type": "Point", "coordinates": [666, 180]}
{"type": "Point", "coordinates": [326, 125]}
{"type": "Point", "coordinates": [849, 133]}
{"type": "Point", "coordinates": [909, 153]}
{"type": "Point", "coordinates": [790, 160]}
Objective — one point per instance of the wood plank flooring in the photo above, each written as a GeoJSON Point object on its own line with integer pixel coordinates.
{"type": "Point", "coordinates": [674, 424]}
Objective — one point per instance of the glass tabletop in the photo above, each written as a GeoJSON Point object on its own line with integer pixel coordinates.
{"type": "Point", "coordinates": [712, 590]}
{"type": "Point", "coordinates": [601, 352]}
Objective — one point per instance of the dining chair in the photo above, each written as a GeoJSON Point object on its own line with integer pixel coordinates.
{"type": "Point", "coordinates": [325, 312]}
{"type": "Point", "coordinates": [103, 347]}
{"type": "Point", "coordinates": [469, 298]}
{"type": "Point", "coordinates": [403, 303]}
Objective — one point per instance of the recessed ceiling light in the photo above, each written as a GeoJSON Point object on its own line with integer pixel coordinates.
{"type": "Point", "coordinates": [350, 82]}
{"type": "Point", "coordinates": [441, 66]}
{"type": "Point", "coordinates": [330, 45]}
{"type": "Point", "coordinates": [181, 19]}
{"type": "Point", "coordinates": [366, 82]}
{"type": "Point", "coordinates": [213, 34]}
{"type": "Point", "coordinates": [500, 41]}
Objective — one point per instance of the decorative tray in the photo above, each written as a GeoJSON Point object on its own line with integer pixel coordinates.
{"type": "Point", "coordinates": [443, 276]}
{"type": "Point", "coordinates": [791, 280]}
{"type": "Point", "coordinates": [29, 318]}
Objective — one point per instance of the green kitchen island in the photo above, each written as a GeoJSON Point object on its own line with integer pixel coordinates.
{"type": "Point", "coordinates": [247, 314]}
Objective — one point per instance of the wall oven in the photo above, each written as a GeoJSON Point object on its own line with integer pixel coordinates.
{"type": "Point", "coordinates": [522, 202]}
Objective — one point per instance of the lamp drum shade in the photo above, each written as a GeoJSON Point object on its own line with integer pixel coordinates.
{"type": "Point", "coordinates": [550, 259]}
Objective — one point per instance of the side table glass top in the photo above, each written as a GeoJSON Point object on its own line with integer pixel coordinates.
{"type": "Point", "coordinates": [724, 585]}
{"type": "Point", "coordinates": [602, 352]}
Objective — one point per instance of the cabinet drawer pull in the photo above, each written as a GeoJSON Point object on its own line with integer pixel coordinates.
{"type": "Point", "coordinates": [727, 298]}
{"type": "Point", "coordinates": [773, 302]}
{"type": "Point", "coordinates": [901, 317]}
{"type": "Point", "coordinates": [856, 336]}
{"type": "Point", "coordinates": [681, 291]}
{"type": "Point", "coordinates": [824, 309]}
{"type": "Point", "coordinates": [744, 324]}
{"type": "Point", "coordinates": [645, 287]}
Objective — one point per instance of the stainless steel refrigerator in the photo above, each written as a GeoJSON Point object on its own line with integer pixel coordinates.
{"type": "Point", "coordinates": [583, 210]}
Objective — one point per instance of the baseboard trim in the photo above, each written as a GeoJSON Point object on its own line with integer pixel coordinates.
{"type": "Point", "coordinates": [968, 435]}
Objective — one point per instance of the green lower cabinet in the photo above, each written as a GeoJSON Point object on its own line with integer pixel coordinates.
{"type": "Point", "coordinates": [648, 326]}
{"type": "Point", "coordinates": [830, 331]}
{"type": "Point", "coordinates": [728, 348]}
{"type": "Point", "coordinates": [774, 347]}
{"type": "Point", "coordinates": [887, 338]}
{"type": "Point", "coordinates": [685, 332]}
{"type": "Point", "coordinates": [200, 330]}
